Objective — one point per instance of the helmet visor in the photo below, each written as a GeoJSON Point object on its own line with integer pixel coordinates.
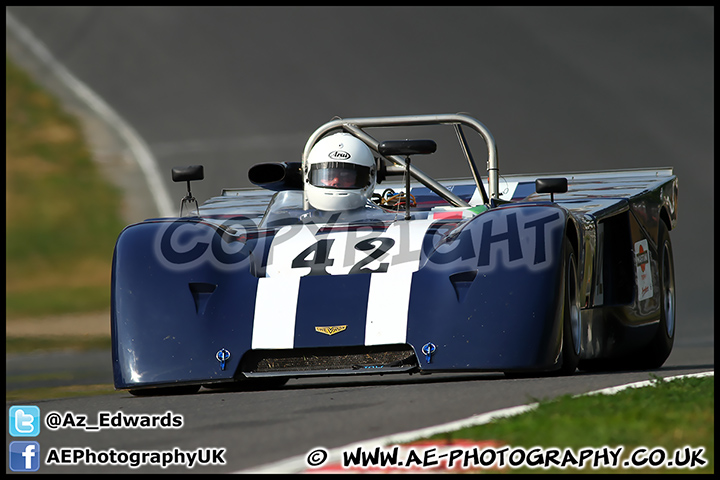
{"type": "Point", "coordinates": [339, 175]}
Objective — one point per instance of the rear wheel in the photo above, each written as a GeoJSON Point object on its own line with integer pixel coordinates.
{"type": "Point", "coordinates": [654, 354]}
{"type": "Point", "coordinates": [570, 352]}
{"type": "Point", "coordinates": [659, 348]}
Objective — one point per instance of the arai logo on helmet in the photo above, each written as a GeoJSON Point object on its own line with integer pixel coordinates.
{"type": "Point", "coordinates": [339, 155]}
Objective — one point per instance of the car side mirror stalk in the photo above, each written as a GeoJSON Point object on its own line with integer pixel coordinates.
{"type": "Point", "coordinates": [188, 174]}
{"type": "Point", "coordinates": [407, 148]}
{"type": "Point", "coordinates": [551, 186]}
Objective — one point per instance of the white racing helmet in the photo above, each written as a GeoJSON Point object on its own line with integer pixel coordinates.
{"type": "Point", "coordinates": [339, 173]}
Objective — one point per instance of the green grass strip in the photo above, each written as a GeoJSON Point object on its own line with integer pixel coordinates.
{"type": "Point", "coordinates": [62, 217]}
{"type": "Point", "coordinates": [670, 415]}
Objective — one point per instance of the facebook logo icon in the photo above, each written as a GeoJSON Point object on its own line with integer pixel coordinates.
{"type": "Point", "coordinates": [24, 421]}
{"type": "Point", "coordinates": [24, 456]}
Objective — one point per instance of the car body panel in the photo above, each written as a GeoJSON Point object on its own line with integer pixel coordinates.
{"type": "Point", "coordinates": [259, 285]}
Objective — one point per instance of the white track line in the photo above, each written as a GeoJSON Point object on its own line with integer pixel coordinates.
{"type": "Point", "coordinates": [140, 151]}
{"type": "Point", "coordinates": [298, 463]}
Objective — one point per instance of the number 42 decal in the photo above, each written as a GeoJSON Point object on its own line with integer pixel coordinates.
{"type": "Point", "coordinates": [317, 256]}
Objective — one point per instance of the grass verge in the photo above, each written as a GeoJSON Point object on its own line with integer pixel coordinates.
{"type": "Point", "coordinates": [62, 217]}
{"type": "Point", "coordinates": [670, 415]}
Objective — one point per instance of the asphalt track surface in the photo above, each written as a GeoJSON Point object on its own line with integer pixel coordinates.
{"type": "Point", "coordinates": [562, 89]}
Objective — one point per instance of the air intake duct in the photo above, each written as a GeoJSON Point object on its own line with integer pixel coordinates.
{"type": "Point", "coordinates": [277, 176]}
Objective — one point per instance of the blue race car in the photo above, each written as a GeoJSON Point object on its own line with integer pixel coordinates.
{"type": "Point", "coordinates": [353, 261]}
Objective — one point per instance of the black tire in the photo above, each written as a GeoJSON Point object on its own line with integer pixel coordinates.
{"type": "Point", "coordinates": [659, 348]}
{"type": "Point", "coordinates": [570, 352]}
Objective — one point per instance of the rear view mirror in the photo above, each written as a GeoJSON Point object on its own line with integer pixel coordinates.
{"type": "Point", "coordinates": [551, 186]}
{"type": "Point", "coordinates": [188, 174]}
{"type": "Point", "coordinates": [407, 147]}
